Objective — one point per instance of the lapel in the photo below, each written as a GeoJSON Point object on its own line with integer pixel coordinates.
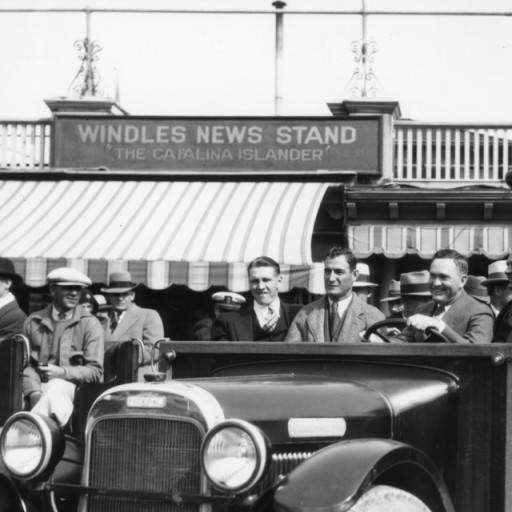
{"type": "Point", "coordinates": [244, 325]}
{"type": "Point", "coordinates": [459, 311]}
{"type": "Point", "coordinates": [315, 321]}
{"type": "Point", "coordinates": [352, 324]}
{"type": "Point", "coordinates": [129, 318]}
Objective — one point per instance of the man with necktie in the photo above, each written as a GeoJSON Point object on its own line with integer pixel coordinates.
{"type": "Point", "coordinates": [125, 319]}
{"type": "Point", "coordinates": [452, 312]}
{"type": "Point", "coordinates": [263, 318]}
{"type": "Point", "coordinates": [340, 316]}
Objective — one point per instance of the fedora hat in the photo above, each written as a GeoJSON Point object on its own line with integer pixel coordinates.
{"type": "Point", "coordinates": [473, 286]}
{"type": "Point", "coordinates": [415, 283]}
{"type": "Point", "coordinates": [7, 269]}
{"type": "Point", "coordinates": [363, 279]}
{"type": "Point", "coordinates": [393, 292]}
{"type": "Point", "coordinates": [496, 273]}
{"type": "Point", "coordinates": [119, 282]}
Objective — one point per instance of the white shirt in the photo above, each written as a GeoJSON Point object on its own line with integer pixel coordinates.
{"type": "Point", "coordinates": [6, 299]}
{"type": "Point", "coordinates": [262, 313]}
{"type": "Point", "coordinates": [343, 305]}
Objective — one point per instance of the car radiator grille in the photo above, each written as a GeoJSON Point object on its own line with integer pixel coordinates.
{"type": "Point", "coordinates": [144, 454]}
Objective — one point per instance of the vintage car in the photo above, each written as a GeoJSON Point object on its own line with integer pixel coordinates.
{"type": "Point", "coordinates": [278, 427]}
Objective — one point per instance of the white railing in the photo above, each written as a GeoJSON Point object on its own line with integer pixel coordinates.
{"type": "Point", "coordinates": [25, 144]}
{"type": "Point", "coordinates": [426, 152]}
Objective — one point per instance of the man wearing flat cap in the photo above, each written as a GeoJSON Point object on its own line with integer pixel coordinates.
{"type": "Point", "coordinates": [126, 320]}
{"type": "Point", "coordinates": [11, 315]}
{"type": "Point", "coordinates": [66, 347]}
{"type": "Point", "coordinates": [265, 317]}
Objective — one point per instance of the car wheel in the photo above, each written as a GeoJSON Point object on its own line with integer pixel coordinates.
{"type": "Point", "coordinates": [383, 498]}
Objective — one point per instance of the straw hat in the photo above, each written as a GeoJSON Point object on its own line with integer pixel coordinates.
{"type": "Point", "coordinates": [363, 279]}
{"type": "Point", "coordinates": [393, 291]}
{"type": "Point", "coordinates": [496, 273]}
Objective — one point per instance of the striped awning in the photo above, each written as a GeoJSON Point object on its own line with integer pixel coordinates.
{"type": "Point", "coordinates": [194, 233]}
{"type": "Point", "coordinates": [396, 240]}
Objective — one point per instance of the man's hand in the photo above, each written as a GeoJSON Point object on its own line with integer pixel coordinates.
{"type": "Point", "coordinates": [423, 322]}
{"type": "Point", "coordinates": [50, 371]}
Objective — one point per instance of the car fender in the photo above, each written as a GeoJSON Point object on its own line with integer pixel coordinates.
{"type": "Point", "coordinates": [10, 497]}
{"type": "Point", "coordinates": [335, 477]}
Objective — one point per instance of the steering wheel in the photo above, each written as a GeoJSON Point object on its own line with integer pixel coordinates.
{"type": "Point", "coordinates": [400, 323]}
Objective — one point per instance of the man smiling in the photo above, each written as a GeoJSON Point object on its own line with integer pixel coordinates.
{"type": "Point", "coordinates": [266, 317]}
{"type": "Point", "coordinates": [452, 312]}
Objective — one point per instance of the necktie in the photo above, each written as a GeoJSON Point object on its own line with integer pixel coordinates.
{"type": "Point", "coordinates": [271, 321]}
{"type": "Point", "coordinates": [334, 320]}
{"type": "Point", "coordinates": [439, 309]}
{"type": "Point", "coordinates": [113, 321]}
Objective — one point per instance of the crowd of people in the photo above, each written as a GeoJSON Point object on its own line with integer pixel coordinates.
{"type": "Point", "coordinates": [67, 338]}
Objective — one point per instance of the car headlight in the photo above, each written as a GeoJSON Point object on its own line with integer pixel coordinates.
{"type": "Point", "coordinates": [235, 455]}
{"type": "Point", "coordinates": [29, 443]}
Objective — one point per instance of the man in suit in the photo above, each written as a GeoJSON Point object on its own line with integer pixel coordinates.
{"type": "Point", "coordinates": [340, 316]}
{"type": "Point", "coordinates": [503, 322]}
{"type": "Point", "coordinates": [128, 321]}
{"type": "Point", "coordinates": [498, 287]}
{"type": "Point", "coordinates": [11, 315]}
{"type": "Point", "coordinates": [452, 312]}
{"type": "Point", "coordinates": [265, 317]}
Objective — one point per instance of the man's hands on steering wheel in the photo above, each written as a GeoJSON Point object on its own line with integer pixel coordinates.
{"type": "Point", "coordinates": [378, 329]}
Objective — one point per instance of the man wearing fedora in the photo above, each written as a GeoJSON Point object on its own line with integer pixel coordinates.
{"type": "Point", "coordinates": [66, 345]}
{"type": "Point", "coordinates": [498, 287]}
{"type": "Point", "coordinates": [414, 290]}
{"type": "Point", "coordinates": [394, 300]}
{"type": "Point", "coordinates": [11, 315]}
{"type": "Point", "coordinates": [503, 322]}
{"type": "Point", "coordinates": [363, 286]}
{"type": "Point", "coordinates": [126, 320]}
{"type": "Point", "coordinates": [340, 316]}
{"type": "Point", "coordinates": [456, 315]}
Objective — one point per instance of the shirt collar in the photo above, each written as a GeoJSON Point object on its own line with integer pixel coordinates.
{"type": "Point", "coordinates": [275, 305]}
{"type": "Point", "coordinates": [68, 315]}
{"type": "Point", "coordinates": [7, 299]}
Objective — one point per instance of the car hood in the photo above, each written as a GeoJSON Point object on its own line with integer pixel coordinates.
{"type": "Point", "coordinates": [318, 402]}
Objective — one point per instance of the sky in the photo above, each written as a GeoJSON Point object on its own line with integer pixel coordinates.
{"type": "Point", "coordinates": [440, 69]}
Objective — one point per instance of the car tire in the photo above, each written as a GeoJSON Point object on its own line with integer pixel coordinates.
{"type": "Point", "coordinates": [383, 498]}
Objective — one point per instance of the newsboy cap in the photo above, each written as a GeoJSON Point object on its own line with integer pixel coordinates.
{"type": "Point", "coordinates": [66, 276]}
{"type": "Point", "coordinates": [496, 273]}
{"type": "Point", "coordinates": [119, 282]}
{"type": "Point", "coordinates": [228, 301]}
{"type": "Point", "coordinates": [363, 279]}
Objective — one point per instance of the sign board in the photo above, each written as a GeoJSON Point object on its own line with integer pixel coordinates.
{"type": "Point", "coordinates": [218, 144]}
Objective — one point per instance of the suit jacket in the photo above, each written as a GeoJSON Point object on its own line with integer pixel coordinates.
{"type": "Point", "coordinates": [12, 319]}
{"type": "Point", "coordinates": [467, 321]}
{"type": "Point", "coordinates": [142, 323]}
{"type": "Point", "coordinates": [240, 325]}
{"type": "Point", "coordinates": [503, 325]}
{"type": "Point", "coordinates": [309, 324]}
